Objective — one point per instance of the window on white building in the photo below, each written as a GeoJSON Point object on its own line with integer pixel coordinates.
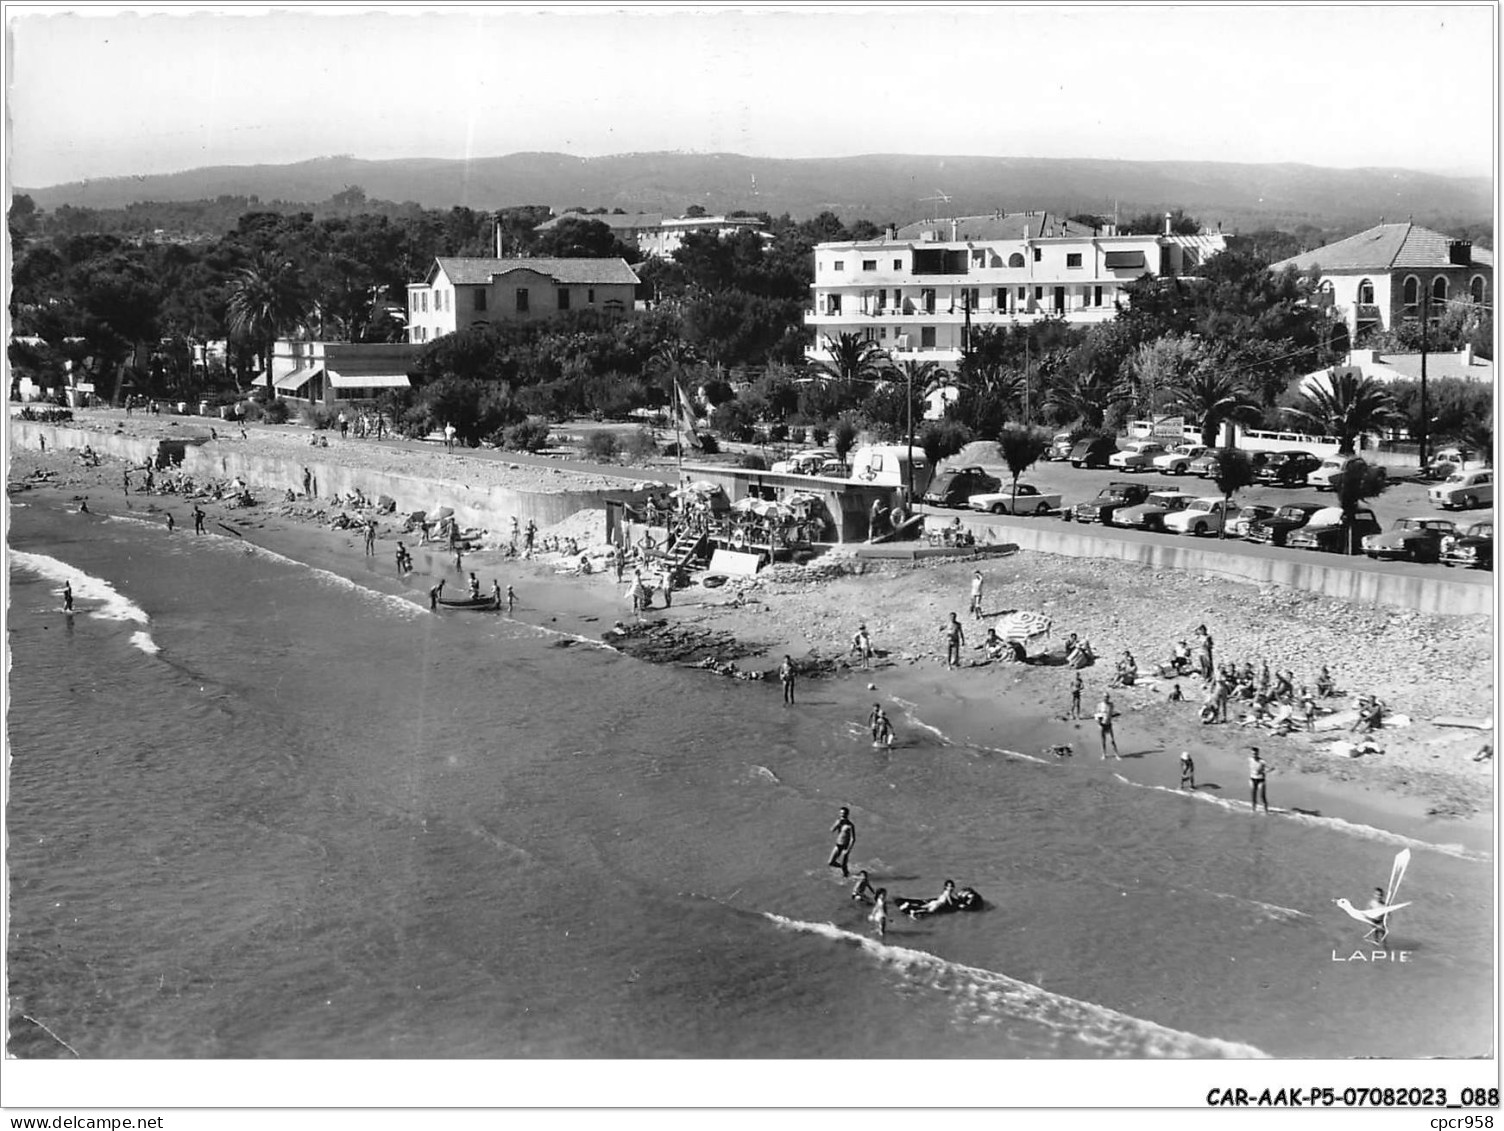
{"type": "Point", "coordinates": [869, 265]}
{"type": "Point", "coordinates": [898, 265]}
{"type": "Point", "coordinates": [1365, 292]}
{"type": "Point", "coordinates": [1073, 259]}
{"type": "Point", "coordinates": [1015, 260]}
{"type": "Point", "coordinates": [839, 265]}
{"type": "Point", "coordinates": [1038, 254]}
{"type": "Point", "coordinates": [926, 337]}
{"type": "Point", "coordinates": [425, 302]}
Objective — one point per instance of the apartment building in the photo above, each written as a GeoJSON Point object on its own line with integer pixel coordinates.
{"type": "Point", "coordinates": [916, 289]}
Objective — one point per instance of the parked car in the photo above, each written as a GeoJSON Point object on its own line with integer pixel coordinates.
{"type": "Point", "coordinates": [1177, 461]}
{"type": "Point", "coordinates": [833, 469]}
{"type": "Point", "coordinates": [1137, 456]}
{"type": "Point", "coordinates": [1277, 527]}
{"type": "Point", "coordinates": [1247, 515]}
{"type": "Point", "coordinates": [1108, 500]}
{"type": "Point", "coordinates": [1326, 533]}
{"type": "Point", "coordinates": [1449, 461]}
{"type": "Point", "coordinates": [1411, 539]}
{"type": "Point", "coordinates": [1060, 446]}
{"type": "Point", "coordinates": [1150, 514]}
{"type": "Point", "coordinates": [1287, 469]}
{"type": "Point", "coordinates": [803, 463]}
{"type": "Point", "coordinates": [954, 488]}
{"type": "Point", "coordinates": [1201, 516]}
{"type": "Point", "coordinates": [1028, 500]}
{"type": "Point", "coordinates": [1464, 489]}
{"type": "Point", "coordinates": [1205, 465]}
{"type": "Point", "coordinates": [1094, 451]}
{"type": "Point", "coordinates": [1324, 477]}
{"type": "Point", "coordinates": [1473, 548]}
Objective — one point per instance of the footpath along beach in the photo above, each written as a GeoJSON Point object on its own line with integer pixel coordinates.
{"type": "Point", "coordinates": [1422, 666]}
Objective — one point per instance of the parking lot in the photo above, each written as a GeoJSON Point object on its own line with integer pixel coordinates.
{"type": "Point", "coordinates": [1405, 498]}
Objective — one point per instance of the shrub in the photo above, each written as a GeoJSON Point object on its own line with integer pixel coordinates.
{"type": "Point", "coordinates": [709, 445]}
{"type": "Point", "coordinates": [797, 434]}
{"type": "Point", "coordinates": [753, 462]}
{"type": "Point", "coordinates": [316, 416]}
{"type": "Point", "coordinates": [276, 412]}
{"type": "Point", "coordinates": [819, 434]}
{"type": "Point", "coordinates": [603, 445]}
{"type": "Point", "coordinates": [640, 443]}
{"type": "Point", "coordinates": [778, 433]}
{"type": "Point", "coordinates": [528, 436]}
{"type": "Point", "coordinates": [47, 415]}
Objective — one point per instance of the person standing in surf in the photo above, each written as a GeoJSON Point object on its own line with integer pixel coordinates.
{"type": "Point", "coordinates": [171, 522]}
{"type": "Point", "coordinates": [67, 596]}
{"type": "Point", "coordinates": [1258, 772]}
{"type": "Point", "coordinates": [198, 519]}
{"type": "Point", "coordinates": [863, 892]}
{"type": "Point", "coordinates": [1187, 771]}
{"type": "Point", "coordinates": [511, 600]}
{"type": "Point", "coordinates": [1077, 686]}
{"type": "Point", "coordinates": [786, 677]}
{"type": "Point", "coordinates": [1104, 715]}
{"type": "Point", "coordinates": [845, 840]}
{"type": "Point", "coordinates": [496, 593]}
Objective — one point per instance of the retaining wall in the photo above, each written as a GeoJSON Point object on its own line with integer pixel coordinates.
{"type": "Point", "coordinates": [1449, 594]}
{"type": "Point", "coordinates": [487, 507]}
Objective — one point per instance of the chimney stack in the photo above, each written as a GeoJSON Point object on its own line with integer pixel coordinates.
{"type": "Point", "coordinates": [498, 238]}
{"type": "Point", "coordinates": [1167, 223]}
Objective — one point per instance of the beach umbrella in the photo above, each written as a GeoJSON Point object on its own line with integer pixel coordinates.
{"type": "Point", "coordinates": [1019, 624]}
{"type": "Point", "coordinates": [444, 512]}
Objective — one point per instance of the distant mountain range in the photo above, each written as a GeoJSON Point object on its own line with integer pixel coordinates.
{"type": "Point", "coordinates": [880, 188]}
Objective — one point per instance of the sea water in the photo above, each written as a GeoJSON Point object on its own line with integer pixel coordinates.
{"type": "Point", "coordinates": [259, 810]}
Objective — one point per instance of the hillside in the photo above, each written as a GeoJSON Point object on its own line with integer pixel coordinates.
{"type": "Point", "coordinates": [876, 187]}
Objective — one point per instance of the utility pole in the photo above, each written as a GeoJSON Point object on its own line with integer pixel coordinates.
{"type": "Point", "coordinates": [1425, 341]}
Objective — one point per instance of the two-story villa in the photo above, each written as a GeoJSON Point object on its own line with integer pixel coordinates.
{"type": "Point", "coordinates": [470, 292]}
{"type": "Point", "coordinates": [1379, 278]}
{"type": "Point", "coordinates": [915, 290]}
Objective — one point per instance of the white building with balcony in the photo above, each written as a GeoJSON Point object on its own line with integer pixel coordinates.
{"type": "Point", "coordinates": [915, 290]}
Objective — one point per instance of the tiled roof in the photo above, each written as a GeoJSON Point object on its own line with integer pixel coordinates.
{"type": "Point", "coordinates": [616, 221]}
{"type": "Point", "coordinates": [480, 272]}
{"type": "Point", "coordinates": [1384, 247]}
{"type": "Point", "coordinates": [1008, 226]}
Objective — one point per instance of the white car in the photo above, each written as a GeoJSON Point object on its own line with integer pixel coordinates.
{"type": "Point", "coordinates": [1139, 454]}
{"type": "Point", "coordinates": [1464, 489]}
{"type": "Point", "coordinates": [803, 463]}
{"type": "Point", "coordinates": [1205, 515]}
{"type": "Point", "coordinates": [1177, 461]}
{"type": "Point", "coordinates": [1330, 469]}
{"type": "Point", "coordinates": [1029, 500]}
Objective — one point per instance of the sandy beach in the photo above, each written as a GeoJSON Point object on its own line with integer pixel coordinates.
{"type": "Point", "coordinates": [1422, 666]}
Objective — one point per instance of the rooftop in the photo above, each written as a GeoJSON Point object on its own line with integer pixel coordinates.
{"type": "Point", "coordinates": [480, 272]}
{"type": "Point", "coordinates": [1384, 247]}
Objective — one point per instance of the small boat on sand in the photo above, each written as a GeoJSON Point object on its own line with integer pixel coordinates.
{"type": "Point", "coordinates": [485, 602]}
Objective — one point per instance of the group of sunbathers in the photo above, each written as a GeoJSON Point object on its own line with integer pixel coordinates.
{"type": "Point", "coordinates": [1273, 696]}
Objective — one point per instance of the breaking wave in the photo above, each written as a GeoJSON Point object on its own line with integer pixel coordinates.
{"type": "Point", "coordinates": [93, 596]}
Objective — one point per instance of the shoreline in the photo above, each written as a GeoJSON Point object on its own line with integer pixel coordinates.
{"type": "Point", "coordinates": [1425, 785]}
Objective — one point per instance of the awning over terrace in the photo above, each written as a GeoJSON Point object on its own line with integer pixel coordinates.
{"type": "Point", "coordinates": [338, 380]}
{"type": "Point", "coordinates": [295, 380]}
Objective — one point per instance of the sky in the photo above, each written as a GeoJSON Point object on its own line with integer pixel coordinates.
{"type": "Point", "coordinates": [102, 91]}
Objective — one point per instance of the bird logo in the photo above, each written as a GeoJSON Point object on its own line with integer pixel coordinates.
{"type": "Point", "coordinates": [1376, 915]}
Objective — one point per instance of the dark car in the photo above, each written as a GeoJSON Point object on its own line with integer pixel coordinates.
{"type": "Point", "coordinates": [1287, 469]}
{"type": "Point", "coordinates": [1276, 528]}
{"type": "Point", "coordinates": [1325, 531]}
{"type": "Point", "coordinates": [1109, 499]}
{"type": "Point", "coordinates": [1473, 548]}
{"type": "Point", "coordinates": [1205, 465]}
{"type": "Point", "coordinates": [955, 488]}
{"type": "Point", "coordinates": [1094, 451]}
{"type": "Point", "coordinates": [1247, 515]}
{"type": "Point", "coordinates": [1411, 539]}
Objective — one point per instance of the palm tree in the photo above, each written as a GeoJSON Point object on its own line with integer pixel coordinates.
{"type": "Point", "coordinates": [1081, 396]}
{"type": "Point", "coordinates": [852, 358]}
{"type": "Point", "coordinates": [920, 374]}
{"type": "Point", "coordinates": [1350, 405]}
{"type": "Point", "coordinates": [1213, 398]}
{"type": "Point", "coordinates": [267, 302]}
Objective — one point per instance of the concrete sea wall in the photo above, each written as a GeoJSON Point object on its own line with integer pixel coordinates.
{"type": "Point", "coordinates": [1426, 589]}
{"type": "Point", "coordinates": [475, 505]}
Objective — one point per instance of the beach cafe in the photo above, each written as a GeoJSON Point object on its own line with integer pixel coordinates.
{"type": "Point", "coordinates": [770, 514]}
